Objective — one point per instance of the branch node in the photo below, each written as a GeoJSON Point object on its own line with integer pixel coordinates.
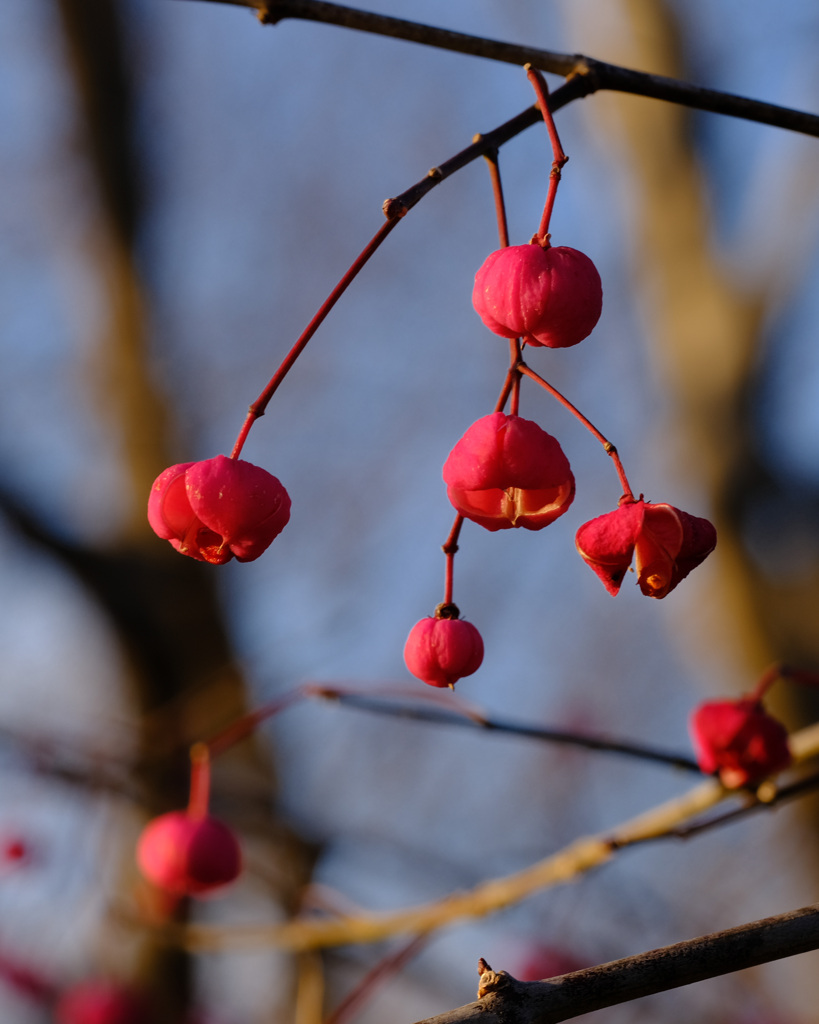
{"type": "Point", "coordinates": [394, 209]}
{"type": "Point", "coordinates": [492, 981]}
{"type": "Point", "coordinates": [266, 15]}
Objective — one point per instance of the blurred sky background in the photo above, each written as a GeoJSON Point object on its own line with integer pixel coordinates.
{"type": "Point", "coordinates": [265, 154]}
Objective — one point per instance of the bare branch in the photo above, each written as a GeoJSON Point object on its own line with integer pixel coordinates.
{"type": "Point", "coordinates": [495, 894]}
{"type": "Point", "coordinates": [443, 716]}
{"type": "Point", "coordinates": [597, 74]}
{"type": "Point", "coordinates": [510, 1001]}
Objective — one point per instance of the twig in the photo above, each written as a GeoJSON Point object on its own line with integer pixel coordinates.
{"type": "Point", "coordinates": [383, 971]}
{"type": "Point", "coordinates": [597, 75]}
{"type": "Point", "coordinates": [488, 897]}
{"type": "Point", "coordinates": [559, 158]}
{"type": "Point", "coordinates": [257, 408]}
{"type": "Point", "coordinates": [505, 1000]}
{"type": "Point", "coordinates": [426, 708]}
{"type": "Point", "coordinates": [610, 449]}
{"type": "Point", "coordinates": [779, 796]}
{"type": "Point", "coordinates": [442, 716]}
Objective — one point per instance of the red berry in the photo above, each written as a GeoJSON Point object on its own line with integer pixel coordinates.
{"type": "Point", "coordinates": [218, 508]}
{"type": "Point", "coordinates": [739, 740]}
{"type": "Point", "coordinates": [25, 979]}
{"type": "Point", "coordinates": [665, 542]}
{"type": "Point", "coordinates": [442, 651]}
{"type": "Point", "coordinates": [102, 1002]}
{"type": "Point", "coordinates": [188, 856]}
{"type": "Point", "coordinates": [505, 471]}
{"type": "Point", "coordinates": [548, 962]}
{"type": "Point", "coordinates": [14, 850]}
{"type": "Point", "coordinates": [549, 296]}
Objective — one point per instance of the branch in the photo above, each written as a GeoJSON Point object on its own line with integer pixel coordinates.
{"type": "Point", "coordinates": [488, 897]}
{"type": "Point", "coordinates": [443, 716]}
{"type": "Point", "coordinates": [597, 75]}
{"type": "Point", "coordinates": [505, 1000]}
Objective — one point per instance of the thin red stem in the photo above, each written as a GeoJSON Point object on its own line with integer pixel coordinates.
{"type": "Point", "coordinates": [506, 390]}
{"type": "Point", "coordinates": [609, 447]}
{"type": "Point", "coordinates": [257, 409]}
{"type": "Point", "coordinates": [767, 679]}
{"type": "Point", "coordinates": [497, 191]}
{"type": "Point", "coordinates": [780, 671]}
{"type": "Point", "coordinates": [799, 675]}
{"type": "Point", "coordinates": [203, 753]}
{"type": "Point", "coordinates": [199, 798]}
{"type": "Point", "coordinates": [512, 381]}
{"type": "Point", "coordinates": [516, 354]}
{"type": "Point", "coordinates": [559, 158]}
{"type": "Point", "coordinates": [514, 405]}
{"type": "Point", "coordinates": [364, 990]}
{"type": "Point", "coordinates": [449, 547]}
{"type": "Point", "coordinates": [247, 724]}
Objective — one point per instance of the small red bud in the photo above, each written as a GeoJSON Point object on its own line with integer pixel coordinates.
{"type": "Point", "coordinates": [442, 651]}
{"type": "Point", "coordinates": [189, 856]}
{"type": "Point", "coordinates": [506, 471]}
{"type": "Point", "coordinates": [550, 296]}
{"type": "Point", "coordinates": [103, 1002]}
{"type": "Point", "coordinates": [217, 509]}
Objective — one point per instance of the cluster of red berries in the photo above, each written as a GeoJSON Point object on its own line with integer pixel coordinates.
{"type": "Point", "coordinates": [508, 472]}
{"type": "Point", "coordinates": [505, 472]}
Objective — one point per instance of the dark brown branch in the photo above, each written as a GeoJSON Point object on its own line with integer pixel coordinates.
{"type": "Point", "coordinates": [597, 74]}
{"type": "Point", "coordinates": [441, 716]}
{"type": "Point", "coordinates": [488, 143]}
{"type": "Point", "coordinates": [508, 1001]}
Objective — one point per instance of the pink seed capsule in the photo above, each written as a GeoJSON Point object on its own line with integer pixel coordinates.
{"type": "Point", "coordinates": [739, 740]}
{"type": "Point", "coordinates": [218, 509]}
{"type": "Point", "coordinates": [550, 296]}
{"type": "Point", "coordinates": [665, 543]}
{"type": "Point", "coordinates": [188, 856]}
{"type": "Point", "coordinates": [506, 472]}
{"type": "Point", "coordinates": [441, 651]}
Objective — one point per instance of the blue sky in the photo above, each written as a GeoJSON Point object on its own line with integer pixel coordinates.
{"type": "Point", "coordinates": [267, 153]}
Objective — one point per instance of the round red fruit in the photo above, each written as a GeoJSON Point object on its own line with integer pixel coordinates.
{"type": "Point", "coordinates": [550, 296]}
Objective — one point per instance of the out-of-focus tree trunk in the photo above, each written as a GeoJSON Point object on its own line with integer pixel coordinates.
{"type": "Point", "coordinates": [706, 339]}
{"type": "Point", "coordinates": [183, 676]}
{"type": "Point", "coordinates": [706, 335]}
